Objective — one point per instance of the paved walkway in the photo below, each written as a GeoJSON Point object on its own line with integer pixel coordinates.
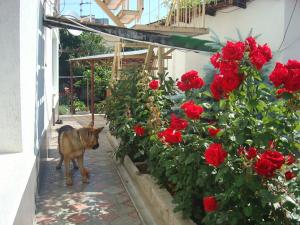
{"type": "Point", "coordinates": [104, 201]}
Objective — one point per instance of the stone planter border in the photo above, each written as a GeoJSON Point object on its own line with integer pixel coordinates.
{"type": "Point", "coordinates": [157, 200]}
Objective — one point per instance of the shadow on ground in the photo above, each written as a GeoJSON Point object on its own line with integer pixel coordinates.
{"type": "Point", "coordinates": [104, 201]}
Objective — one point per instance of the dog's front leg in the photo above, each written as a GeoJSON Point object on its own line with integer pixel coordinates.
{"type": "Point", "coordinates": [67, 171]}
{"type": "Point", "coordinates": [83, 171]}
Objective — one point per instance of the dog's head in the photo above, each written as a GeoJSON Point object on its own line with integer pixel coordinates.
{"type": "Point", "coordinates": [90, 137]}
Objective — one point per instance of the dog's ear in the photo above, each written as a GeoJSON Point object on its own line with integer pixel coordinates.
{"type": "Point", "coordinates": [98, 130]}
{"type": "Point", "coordinates": [91, 125]}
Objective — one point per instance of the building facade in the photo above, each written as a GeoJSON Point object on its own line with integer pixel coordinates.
{"type": "Point", "coordinates": [270, 18]}
{"type": "Point", "coordinates": [29, 100]}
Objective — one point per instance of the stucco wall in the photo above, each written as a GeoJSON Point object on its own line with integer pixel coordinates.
{"type": "Point", "coordinates": [27, 98]}
{"type": "Point", "coordinates": [10, 96]}
{"type": "Point", "coordinates": [266, 17]}
{"type": "Point", "coordinates": [291, 45]}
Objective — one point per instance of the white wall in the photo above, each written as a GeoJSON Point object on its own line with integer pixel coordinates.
{"type": "Point", "coordinates": [291, 45]}
{"type": "Point", "coordinates": [26, 96]}
{"type": "Point", "coordinates": [266, 17]}
{"type": "Point", "coordinates": [10, 96]}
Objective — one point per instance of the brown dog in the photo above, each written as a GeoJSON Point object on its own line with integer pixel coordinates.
{"type": "Point", "coordinates": [72, 145]}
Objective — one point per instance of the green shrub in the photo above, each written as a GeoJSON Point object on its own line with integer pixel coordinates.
{"type": "Point", "coordinates": [79, 105]}
{"type": "Point", "coordinates": [63, 110]}
{"type": "Point", "coordinates": [229, 155]}
{"type": "Point", "coordinates": [99, 107]}
{"type": "Point", "coordinates": [132, 103]}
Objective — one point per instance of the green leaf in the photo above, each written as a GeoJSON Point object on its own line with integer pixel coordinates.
{"type": "Point", "coordinates": [247, 211]}
{"type": "Point", "coordinates": [249, 142]}
{"type": "Point", "coordinates": [239, 181]}
{"type": "Point", "coordinates": [189, 159]}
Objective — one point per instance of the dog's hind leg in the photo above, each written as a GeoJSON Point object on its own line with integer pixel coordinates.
{"type": "Point", "coordinates": [83, 171]}
{"type": "Point", "coordinates": [74, 164]}
{"type": "Point", "coordinates": [69, 180]}
{"type": "Point", "coordinates": [60, 161]}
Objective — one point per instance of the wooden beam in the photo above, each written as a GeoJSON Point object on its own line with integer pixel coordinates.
{"type": "Point", "coordinates": [133, 56]}
{"type": "Point", "coordinates": [156, 68]}
{"type": "Point", "coordinates": [168, 52]}
{"type": "Point", "coordinates": [148, 57]}
{"type": "Point", "coordinates": [114, 18]}
{"type": "Point", "coordinates": [134, 45]}
{"type": "Point", "coordinates": [164, 57]}
{"type": "Point", "coordinates": [172, 30]}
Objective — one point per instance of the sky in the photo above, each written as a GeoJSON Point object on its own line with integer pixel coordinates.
{"type": "Point", "coordinates": [153, 9]}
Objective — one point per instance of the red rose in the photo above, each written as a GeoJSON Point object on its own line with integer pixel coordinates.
{"type": "Point", "coordinates": [289, 175]}
{"type": "Point", "coordinates": [266, 51]}
{"type": "Point", "coordinates": [154, 84]}
{"type": "Point", "coordinates": [233, 51]}
{"type": "Point", "coordinates": [279, 74]}
{"type": "Point", "coordinates": [229, 68]}
{"type": "Point", "coordinates": [275, 157]}
{"type": "Point", "coordinates": [251, 153]}
{"type": "Point", "coordinates": [178, 123]}
{"type": "Point", "coordinates": [197, 83]}
{"type": "Point", "coordinates": [213, 131]}
{"type": "Point", "coordinates": [215, 154]}
{"type": "Point", "coordinates": [241, 151]}
{"type": "Point", "coordinates": [139, 130]}
{"type": "Point", "coordinates": [292, 82]}
{"type": "Point", "coordinates": [170, 136]}
{"type": "Point", "coordinates": [210, 204]}
{"type": "Point", "coordinates": [182, 86]}
{"type": "Point", "coordinates": [231, 82]}
{"type": "Point", "coordinates": [281, 91]}
{"type": "Point", "coordinates": [293, 64]}
{"type": "Point", "coordinates": [264, 168]}
{"type": "Point", "coordinates": [189, 81]}
{"type": "Point", "coordinates": [257, 59]}
{"type": "Point", "coordinates": [272, 144]}
{"type": "Point", "coordinates": [215, 60]}
{"type": "Point", "coordinates": [189, 75]}
{"type": "Point", "coordinates": [252, 43]}
{"type": "Point", "coordinates": [192, 110]}
{"type": "Point", "coordinates": [216, 87]}
{"type": "Point", "coordinates": [290, 159]}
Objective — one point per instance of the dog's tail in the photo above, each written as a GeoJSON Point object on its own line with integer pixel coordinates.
{"type": "Point", "coordinates": [60, 131]}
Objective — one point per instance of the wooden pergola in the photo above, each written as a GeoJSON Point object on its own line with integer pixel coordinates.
{"type": "Point", "coordinates": [127, 57]}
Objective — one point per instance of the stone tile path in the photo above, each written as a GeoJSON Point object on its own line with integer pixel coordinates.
{"type": "Point", "coordinates": [104, 201]}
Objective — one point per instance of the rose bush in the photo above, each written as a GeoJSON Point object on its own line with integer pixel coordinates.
{"type": "Point", "coordinates": [228, 152]}
{"type": "Point", "coordinates": [133, 111]}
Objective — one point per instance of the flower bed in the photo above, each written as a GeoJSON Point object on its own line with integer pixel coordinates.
{"type": "Point", "coordinates": [227, 150]}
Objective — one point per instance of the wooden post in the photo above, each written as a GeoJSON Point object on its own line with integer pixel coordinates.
{"type": "Point", "coordinates": [148, 60]}
{"type": "Point", "coordinates": [87, 95]}
{"type": "Point", "coordinates": [178, 11]}
{"type": "Point", "coordinates": [203, 14]}
{"type": "Point", "coordinates": [160, 55]}
{"type": "Point", "coordinates": [72, 110]}
{"type": "Point", "coordinates": [92, 91]}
